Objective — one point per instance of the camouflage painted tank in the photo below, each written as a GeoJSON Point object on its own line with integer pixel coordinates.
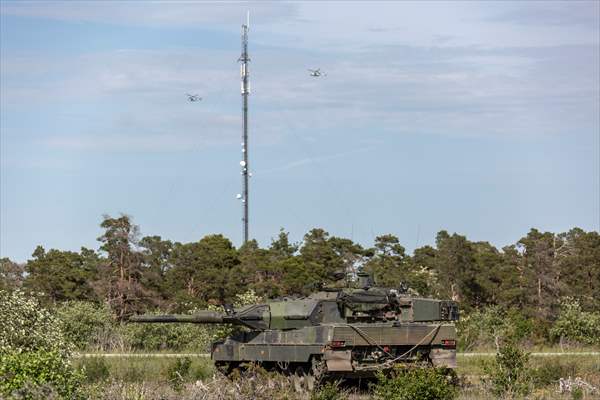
{"type": "Point", "coordinates": [349, 332]}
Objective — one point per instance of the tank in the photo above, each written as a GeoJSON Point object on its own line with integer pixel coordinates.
{"type": "Point", "coordinates": [345, 332]}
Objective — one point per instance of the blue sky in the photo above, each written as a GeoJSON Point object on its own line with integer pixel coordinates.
{"type": "Point", "coordinates": [476, 117]}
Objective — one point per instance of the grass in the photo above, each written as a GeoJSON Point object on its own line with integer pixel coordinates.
{"type": "Point", "coordinates": [149, 377]}
{"type": "Point", "coordinates": [132, 369]}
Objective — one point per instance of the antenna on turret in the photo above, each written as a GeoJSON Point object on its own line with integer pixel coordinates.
{"type": "Point", "coordinates": [245, 92]}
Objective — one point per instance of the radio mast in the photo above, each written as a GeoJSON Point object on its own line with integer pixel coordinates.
{"type": "Point", "coordinates": [245, 92]}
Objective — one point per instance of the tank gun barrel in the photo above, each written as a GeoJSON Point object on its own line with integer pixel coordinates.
{"type": "Point", "coordinates": [200, 317]}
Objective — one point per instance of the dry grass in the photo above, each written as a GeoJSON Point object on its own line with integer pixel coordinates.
{"type": "Point", "coordinates": [254, 384]}
{"type": "Point", "coordinates": [147, 379]}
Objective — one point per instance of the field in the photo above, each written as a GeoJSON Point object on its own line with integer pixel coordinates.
{"type": "Point", "coordinates": [139, 377]}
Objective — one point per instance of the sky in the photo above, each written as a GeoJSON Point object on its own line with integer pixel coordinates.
{"type": "Point", "coordinates": [480, 118]}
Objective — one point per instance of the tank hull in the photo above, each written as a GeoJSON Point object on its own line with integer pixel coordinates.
{"type": "Point", "coordinates": [343, 348]}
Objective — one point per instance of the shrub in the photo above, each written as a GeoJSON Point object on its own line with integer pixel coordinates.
{"type": "Point", "coordinates": [85, 323]}
{"type": "Point", "coordinates": [178, 371]}
{"type": "Point", "coordinates": [329, 391]}
{"type": "Point", "coordinates": [508, 374]}
{"type": "Point", "coordinates": [576, 325]}
{"type": "Point", "coordinates": [415, 383]}
{"type": "Point", "coordinates": [165, 336]}
{"type": "Point", "coordinates": [202, 370]}
{"type": "Point", "coordinates": [550, 373]}
{"type": "Point", "coordinates": [95, 369]}
{"type": "Point", "coordinates": [34, 353]}
{"type": "Point", "coordinates": [486, 327]}
{"type": "Point", "coordinates": [40, 368]}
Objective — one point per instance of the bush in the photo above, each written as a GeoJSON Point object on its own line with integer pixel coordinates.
{"type": "Point", "coordinates": [415, 383]}
{"type": "Point", "coordinates": [550, 373]}
{"type": "Point", "coordinates": [576, 325]}
{"type": "Point", "coordinates": [95, 369]}
{"type": "Point", "coordinates": [508, 374]}
{"type": "Point", "coordinates": [85, 323]}
{"type": "Point", "coordinates": [41, 368]}
{"type": "Point", "coordinates": [177, 372]}
{"type": "Point", "coordinates": [202, 370]}
{"type": "Point", "coordinates": [485, 328]}
{"type": "Point", "coordinates": [174, 337]}
{"type": "Point", "coordinates": [34, 353]}
{"type": "Point", "coordinates": [329, 391]}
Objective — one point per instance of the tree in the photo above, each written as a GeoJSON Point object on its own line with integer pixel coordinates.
{"type": "Point", "coordinates": [540, 262]}
{"type": "Point", "coordinates": [319, 257]}
{"type": "Point", "coordinates": [119, 283]}
{"type": "Point", "coordinates": [11, 274]}
{"type": "Point", "coordinates": [254, 269]}
{"type": "Point", "coordinates": [579, 265]}
{"type": "Point", "coordinates": [351, 254]}
{"type": "Point", "coordinates": [281, 248]}
{"type": "Point", "coordinates": [389, 265]}
{"type": "Point", "coordinates": [454, 264]}
{"type": "Point", "coordinates": [156, 255]}
{"type": "Point", "coordinates": [202, 271]}
{"type": "Point", "coordinates": [62, 275]}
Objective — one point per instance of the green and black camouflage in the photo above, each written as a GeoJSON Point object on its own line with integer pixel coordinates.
{"type": "Point", "coordinates": [337, 331]}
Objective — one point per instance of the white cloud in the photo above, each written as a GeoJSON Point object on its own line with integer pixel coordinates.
{"type": "Point", "coordinates": [151, 13]}
{"type": "Point", "coordinates": [373, 82]}
{"type": "Point", "coordinates": [314, 160]}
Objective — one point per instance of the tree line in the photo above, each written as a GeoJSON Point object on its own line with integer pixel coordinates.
{"type": "Point", "coordinates": [133, 274]}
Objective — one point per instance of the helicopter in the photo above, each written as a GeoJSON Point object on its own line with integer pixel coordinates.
{"type": "Point", "coordinates": [193, 97]}
{"type": "Point", "coordinates": [316, 72]}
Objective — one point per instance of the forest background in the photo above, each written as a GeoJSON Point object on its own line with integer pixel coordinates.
{"type": "Point", "coordinates": [546, 285]}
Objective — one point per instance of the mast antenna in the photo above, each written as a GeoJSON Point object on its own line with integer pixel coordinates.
{"type": "Point", "coordinates": [245, 92]}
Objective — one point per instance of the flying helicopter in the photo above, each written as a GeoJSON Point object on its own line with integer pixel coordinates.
{"type": "Point", "coordinates": [316, 72]}
{"type": "Point", "coordinates": [193, 97]}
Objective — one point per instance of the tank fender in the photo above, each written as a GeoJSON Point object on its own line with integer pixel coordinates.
{"type": "Point", "coordinates": [338, 360]}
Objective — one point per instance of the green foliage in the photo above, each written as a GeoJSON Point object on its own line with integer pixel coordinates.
{"type": "Point", "coordinates": [486, 327]}
{"type": "Point", "coordinates": [329, 391]}
{"type": "Point", "coordinates": [62, 275]}
{"type": "Point", "coordinates": [549, 373]}
{"type": "Point", "coordinates": [26, 326]}
{"type": "Point", "coordinates": [120, 274]}
{"type": "Point", "coordinates": [509, 292]}
{"type": "Point", "coordinates": [85, 324]}
{"type": "Point", "coordinates": [508, 374]}
{"type": "Point", "coordinates": [33, 350]}
{"type": "Point", "coordinates": [39, 368]}
{"type": "Point", "coordinates": [390, 266]}
{"type": "Point", "coordinates": [162, 336]}
{"type": "Point", "coordinates": [178, 372]}
{"type": "Point", "coordinates": [96, 369]}
{"type": "Point", "coordinates": [577, 394]}
{"type": "Point", "coordinates": [11, 274]}
{"type": "Point", "coordinates": [415, 383]}
{"type": "Point", "coordinates": [576, 325]}
{"type": "Point", "coordinates": [204, 271]}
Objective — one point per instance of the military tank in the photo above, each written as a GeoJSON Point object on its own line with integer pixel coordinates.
{"type": "Point", "coordinates": [342, 332]}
